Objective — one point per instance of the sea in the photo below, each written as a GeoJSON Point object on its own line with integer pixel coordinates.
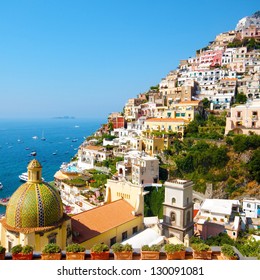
{"type": "Point", "coordinates": [19, 138]}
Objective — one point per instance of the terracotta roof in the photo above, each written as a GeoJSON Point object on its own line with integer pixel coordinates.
{"type": "Point", "coordinates": [100, 219]}
{"type": "Point", "coordinates": [167, 120]}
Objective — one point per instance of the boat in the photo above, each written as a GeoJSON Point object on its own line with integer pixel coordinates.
{"type": "Point", "coordinates": [35, 137]}
{"type": "Point", "coordinates": [43, 138]}
{"type": "Point", "coordinates": [4, 201]}
{"type": "Point", "coordinates": [24, 177]}
{"type": "Point", "coordinates": [33, 153]}
{"type": "Point", "coordinates": [1, 186]}
{"type": "Point", "coordinates": [54, 153]}
{"type": "Point", "coordinates": [74, 140]}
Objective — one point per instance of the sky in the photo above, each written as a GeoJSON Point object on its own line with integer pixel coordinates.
{"type": "Point", "coordinates": [86, 58]}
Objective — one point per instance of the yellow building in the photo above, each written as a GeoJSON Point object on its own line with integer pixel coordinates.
{"type": "Point", "coordinates": [110, 223]}
{"type": "Point", "coordinates": [117, 220]}
{"type": "Point", "coordinates": [34, 215]}
{"type": "Point", "coordinates": [166, 125]}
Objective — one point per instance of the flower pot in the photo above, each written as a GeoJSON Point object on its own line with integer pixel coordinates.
{"type": "Point", "coordinates": [150, 255]}
{"type": "Point", "coordinates": [75, 255]}
{"type": "Point", "coordinates": [2, 256]}
{"type": "Point", "coordinates": [228, 257]}
{"type": "Point", "coordinates": [125, 255]}
{"type": "Point", "coordinates": [99, 255]}
{"type": "Point", "coordinates": [179, 255]}
{"type": "Point", "coordinates": [22, 256]}
{"type": "Point", "coordinates": [202, 255]}
{"type": "Point", "coordinates": [51, 256]}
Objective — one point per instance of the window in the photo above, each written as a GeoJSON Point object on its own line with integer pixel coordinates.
{"type": "Point", "coordinates": [112, 241]}
{"type": "Point", "coordinates": [248, 205]}
{"type": "Point", "coordinates": [124, 235]}
{"type": "Point", "coordinates": [135, 230]}
{"type": "Point", "coordinates": [173, 200]}
{"type": "Point", "coordinates": [52, 238]}
{"type": "Point", "coordinates": [173, 217]}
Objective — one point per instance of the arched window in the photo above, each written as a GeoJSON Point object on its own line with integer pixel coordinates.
{"type": "Point", "coordinates": [173, 217]}
{"type": "Point", "coordinates": [173, 200]}
{"type": "Point", "coordinates": [248, 205]}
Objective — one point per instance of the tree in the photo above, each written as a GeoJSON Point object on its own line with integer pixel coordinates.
{"type": "Point", "coordinates": [241, 98]}
{"type": "Point", "coordinates": [206, 103]}
{"type": "Point", "coordinates": [253, 165]}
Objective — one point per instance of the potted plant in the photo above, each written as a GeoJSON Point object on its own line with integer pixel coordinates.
{"type": "Point", "coordinates": [20, 252]}
{"type": "Point", "coordinates": [122, 252]}
{"type": "Point", "coordinates": [175, 251]}
{"type": "Point", "coordinates": [150, 252]}
{"type": "Point", "coordinates": [2, 252]}
{"type": "Point", "coordinates": [201, 251]}
{"type": "Point", "coordinates": [75, 251]}
{"type": "Point", "coordinates": [51, 251]}
{"type": "Point", "coordinates": [99, 252]}
{"type": "Point", "coordinates": [228, 252]}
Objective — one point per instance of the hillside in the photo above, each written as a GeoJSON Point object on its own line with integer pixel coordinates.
{"type": "Point", "coordinates": [231, 165]}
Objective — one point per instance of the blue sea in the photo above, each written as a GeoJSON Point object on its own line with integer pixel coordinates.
{"type": "Point", "coordinates": [17, 142]}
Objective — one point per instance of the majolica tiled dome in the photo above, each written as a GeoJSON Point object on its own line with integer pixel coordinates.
{"type": "Point", "coordinates": [35, 203]}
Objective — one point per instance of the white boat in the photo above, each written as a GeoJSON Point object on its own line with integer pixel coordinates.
{"type": "Point", "coordinates": [43, 138]}
{"type": "Point", "coordinates": [1, 186]}
{"type": "Point", "coordinates": [24, 177]}
{"type": "Point", "coordinates": [33, 153]}
{"type": "Point", "coordinates": [35, 137]}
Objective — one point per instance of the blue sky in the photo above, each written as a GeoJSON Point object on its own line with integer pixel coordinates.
{"type": "Point", "coordinates": [86, 58]}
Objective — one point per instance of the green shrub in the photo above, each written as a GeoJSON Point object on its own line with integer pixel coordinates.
{"type": "Point", "coordinates": [117, 247]}
{"type": "Point", "coordinates": [27, 249]}
{"type": "Point", "coordinates": [75, 248]}
{"type": "Point", "coordinates": [98, 248]}
{"type": "Point", "coordinates": [51, 248]}
{"type": "Point", "coordinates": [200, 247]}
{"type": "Point", "coordinates": [17, 249]}
{"type": "Point", "coordinates": [228, 250]}
{"type": "Point", "coordinates": [2, 249]}
{"type": "Point", "coordinates": [154, 247]}
{"type": "Point", "coordinates": [171, 248]}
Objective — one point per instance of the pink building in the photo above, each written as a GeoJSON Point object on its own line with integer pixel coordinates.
{"type": "Point", "coordinates": [210, 58]}
{"type": "Point", "coordinates": [244, 119]}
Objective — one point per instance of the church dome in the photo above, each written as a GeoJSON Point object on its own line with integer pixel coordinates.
{"type": "Point", "coordinates": [35, 203]}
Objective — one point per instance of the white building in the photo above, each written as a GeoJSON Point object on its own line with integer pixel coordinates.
{"type": "Point", "coordinates": [88, 155]}
{"type": "Point", "coordinates": [219, 209]}
{"type": "Point", "coordinates": [178, 209]}
{"type": "Point", "coordinates": [251, 207]}
{"type": "Point", "coordinates": [139, 168]}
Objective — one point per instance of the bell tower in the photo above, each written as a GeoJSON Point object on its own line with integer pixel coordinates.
{"type": "Point", "coordinates": [34, 172]}
{"type": "Point", "coordinates": [178, 209]}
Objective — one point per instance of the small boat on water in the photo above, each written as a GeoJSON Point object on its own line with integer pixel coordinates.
{"type": "Point", "coordinates": [33, 153]}
{"type": "Point", "coordinates": [1, 186]}
{"type": "Point", "coordinates": [24, 177]}
{"type": "Point", "coordinates": [74, 140]}
{"type": "Point", "coordinates": [35, 137]}
{"type": "Point", "coordinates": [43, 138]}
